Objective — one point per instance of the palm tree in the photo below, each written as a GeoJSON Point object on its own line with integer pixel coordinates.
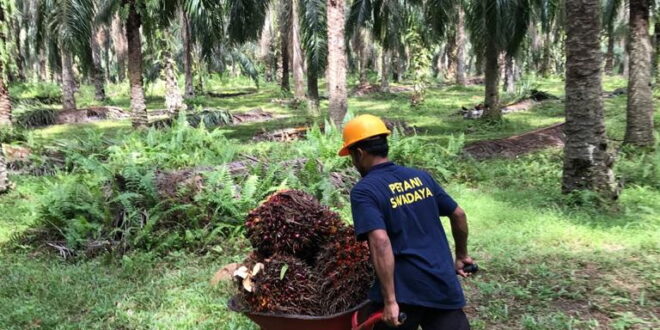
{"type": "Point", "coordinates": [297, 60]}
{"type": "Point", "coordinates": [119, 45]}
{"type": "Point", "coordinates": [386, 21]}
{"type": "Point", "coordinates": [186, 38]}
{"type": "Point", "coordinates": [202, 24]}
{"type": "Point", "coordinates": [496, 26]}
{"type": "Point", "coordinates": [285, 41]}
{"type": "Point", "coordinates": [611, 13]}
{"type": "Point", "coordinates": [67, 24]}
{"type": "Point", "coordinates": [247, 18]}
{"type": "Point", "coordinates": [315, 44]}
{"type": "Point", "coordinates": [96, 69]}
{"type": "Point", "coordinates": [460, 46]}
{"type": "Point", "coordinates": [337, 60]}
{"type": "Point", "coordinates": [4, 178]}
{"type": "Point", "coordinates": [5, 103]}
{"type": "Point", "coordinates": [639, 123]}
{"type": "Point", "coordinates": [587, 164]}
{"type": "Point", "coordinates": [139, 116]}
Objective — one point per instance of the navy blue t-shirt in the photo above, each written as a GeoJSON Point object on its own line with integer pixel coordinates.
{"type": "Point", "coordinates": [408, 203]}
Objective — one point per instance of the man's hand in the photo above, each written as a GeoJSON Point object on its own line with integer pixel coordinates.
{"type": "Point", "coordinates": [391, 314]}
{"type": "Point", "coordinates": [461, 262]}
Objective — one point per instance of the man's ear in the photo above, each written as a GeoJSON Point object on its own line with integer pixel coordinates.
{"type": "Point", "coordinates": [360, 153]}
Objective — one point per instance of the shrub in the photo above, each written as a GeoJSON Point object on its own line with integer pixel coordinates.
{"type": "Point", "coordinates": [35, 117]}
{"type": "Point", "coordinates": [9, 134]}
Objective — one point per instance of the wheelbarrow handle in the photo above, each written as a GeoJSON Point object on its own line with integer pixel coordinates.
{"type": "Point", "coordinates": [372, 320]}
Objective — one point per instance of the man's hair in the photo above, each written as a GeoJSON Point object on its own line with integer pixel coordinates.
{"type": "Point", "coordinates": [376, 146]}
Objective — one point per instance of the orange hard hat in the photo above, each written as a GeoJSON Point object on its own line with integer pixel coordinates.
{"type": "Point", "coordinates": [360, 128]}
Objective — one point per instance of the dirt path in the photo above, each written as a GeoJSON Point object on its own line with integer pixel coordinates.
{"type": "Point", "coordinates": [511, 147]}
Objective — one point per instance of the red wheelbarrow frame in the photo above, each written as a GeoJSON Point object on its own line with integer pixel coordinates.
{"type": "Point", "coordinates": [270, 321]}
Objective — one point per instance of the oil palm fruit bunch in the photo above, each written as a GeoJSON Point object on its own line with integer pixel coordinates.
{"type": "Point", "coordinates": [343, 265]}
{"type": "Point", "coordinates": [291, 222]}
{"type": "Point", "coordinates": [305, 261]}
{"type": "Point", "coordinates": [279, 284]}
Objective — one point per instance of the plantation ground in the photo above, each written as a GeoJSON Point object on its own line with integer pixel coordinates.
{"type": "Point", "coordinates": [547, 262]}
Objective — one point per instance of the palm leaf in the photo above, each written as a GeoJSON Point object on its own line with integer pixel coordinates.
{"type": "Point", "coordinates": [246, 18]}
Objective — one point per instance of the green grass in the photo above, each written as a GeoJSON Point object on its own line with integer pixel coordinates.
{"type": "Point", "coordinates": [547, 262]}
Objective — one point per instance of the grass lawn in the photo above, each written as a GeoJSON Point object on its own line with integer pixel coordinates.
{"type": "Point", "coordinates": [546, 264]}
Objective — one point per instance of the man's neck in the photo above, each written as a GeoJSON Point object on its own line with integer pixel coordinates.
{"type": "Point", "coordinates": [378, 161]}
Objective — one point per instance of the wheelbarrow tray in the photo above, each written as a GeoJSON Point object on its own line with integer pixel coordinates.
{"type": "Point", "coordinates": [271, 321]}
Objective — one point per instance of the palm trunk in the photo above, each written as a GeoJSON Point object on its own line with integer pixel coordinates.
{"type": "Point", "coordinates": [298, 70]}
{"type": "Point", "coordinates": [509, 75]}
{"type": "Point", "coordinates": [625, 61]}
{"type": "Point", "coordinates": [43, 65]}
{"type": "Point", "coordinates": [68, 82]}
{"type": "Point", "coordinates": [587, 164]}
{"type": "Point", "coordinates": [656, 56]}
{"type": "Point", "coordinates": [639, 124]}
{"type": "Point", "coordinates": [337, 60]}
{"type": "Point", "coordinates": [173, 98]}
{"type": "Point", "coordinates": [313, 90]}
{"type": "Point", "coordinates": [609, 57]}
{"type": "Point", "coordinates": [187, 55]}
{"type": "Point", "coordinates": [398, 62]}
{"type": "Point", "coordinates": [5, 102]}
{"type": "Point", "coordinates": [4, 178]}
{"type": "Point", "coordinates": [450, 54]}
{"type": "Point", "coordinates": [97, 68]}
{"type": "Point", "coordinates": [460, 48]}
{"type": "Point", "coordinates": [284, 36]}
{"type": "Point", "coordinates": [492, 82]}
{"type": "Point", "coordinates": [139, 116]}
{"type": "Point", "coordinates": [105, 53]}
{"type": "Point", "coordinates": [547, 55]}
{"type": "Point", "coordinates": [385, 63]}
{"type": "Point", "coordinates": [361, 45]}
{"type": "Point", "coordinates": [20, 59]}
{"type": "Point", "coordinates": [120, 46]}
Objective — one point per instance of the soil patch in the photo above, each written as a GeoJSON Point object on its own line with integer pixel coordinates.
{"type": "Point", "coordinates": [255, 115]}
{"type": "Point", "coordinates": [552, 136]}
{"type": "Point", "coordinates": [474, 81]}
{"type": "Point", "coordinates": [90, 115]}
{"type": "Point", "coordinates": [367, 89]}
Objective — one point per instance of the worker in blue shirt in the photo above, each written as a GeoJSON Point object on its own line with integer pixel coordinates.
{"type": "Point", "coordinates": [398, 209]}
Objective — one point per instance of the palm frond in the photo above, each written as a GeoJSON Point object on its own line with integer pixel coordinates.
{"type": "Point", "coordinates": [107, 9]}
{"type": "Point", "coordinates": [440, 14]}
{"type": "Point", "coordinates": [207, 25]}
{"type": "Point", "coordinates": [248, 67]}
{"type": "Point", "coordinates": [314, 33]}
{"type": "Point", "coordinates": [611, 10]}
{"type": "Point", "coordinates": [360, 13]}
{"type": "Point", "coordinates": [246, 17]}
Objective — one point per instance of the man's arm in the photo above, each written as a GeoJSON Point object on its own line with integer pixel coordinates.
{"type": "Point", "coordinates": [383, 260]}
{"type": "Point", "coordinates": [459, 229]}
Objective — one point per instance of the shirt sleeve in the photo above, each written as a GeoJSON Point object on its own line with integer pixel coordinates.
{"type": "Point", "coordinates": [446, 204]}
{"type": "Point", "coordinates": [366, 214]}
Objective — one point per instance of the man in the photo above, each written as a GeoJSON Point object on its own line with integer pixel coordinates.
{"type": "Point", "coordinates": [398, 209]}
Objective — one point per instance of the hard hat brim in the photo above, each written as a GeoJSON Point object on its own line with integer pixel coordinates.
{"type": "Point", "coordinates": [344, 150]}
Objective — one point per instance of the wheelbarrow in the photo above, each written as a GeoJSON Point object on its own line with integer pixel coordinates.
{"type": "Point", "coordinates": [270, 321]}
{"type": "Point", "coordinates": [347, 320]}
